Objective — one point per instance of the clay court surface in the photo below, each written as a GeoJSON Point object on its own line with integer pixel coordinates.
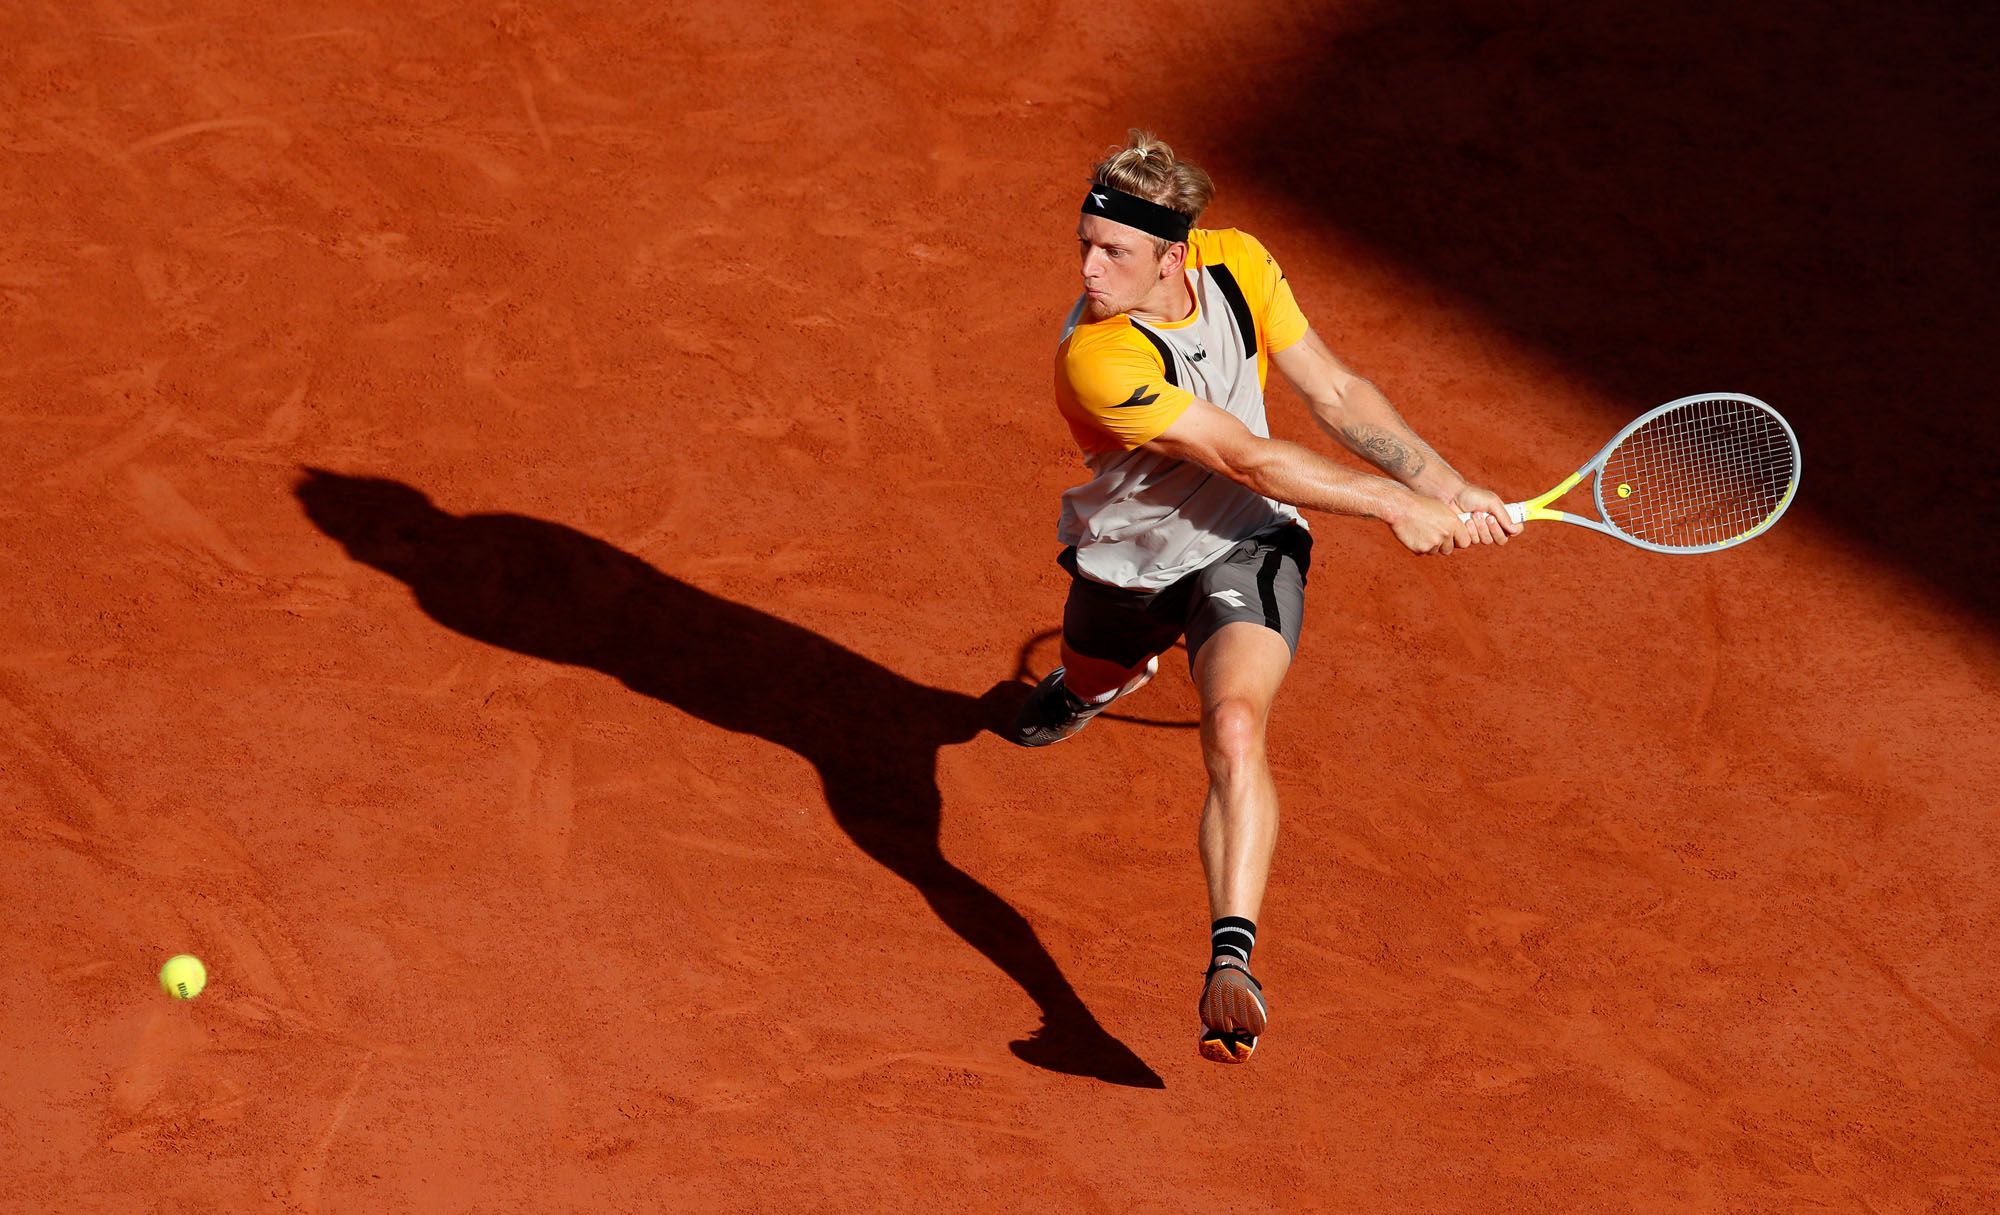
{"type": "Point", "coordinates": [521, 520]}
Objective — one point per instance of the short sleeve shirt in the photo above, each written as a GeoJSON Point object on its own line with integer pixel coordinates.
{"type": "Point", "coordinates": [1145, 520]}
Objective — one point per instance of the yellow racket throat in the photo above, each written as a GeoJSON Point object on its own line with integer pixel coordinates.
{"type": "Point", "coordinates": [1538, 508]}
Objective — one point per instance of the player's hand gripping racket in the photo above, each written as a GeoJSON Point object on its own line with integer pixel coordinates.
{"type": "Point", "coordinates": [1693, 476]}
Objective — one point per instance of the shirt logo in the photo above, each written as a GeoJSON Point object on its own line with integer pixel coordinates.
{"type": "Point", "coordinates": [1200, 353]}
{"type": "Point", "coordinates": [1138, 397]}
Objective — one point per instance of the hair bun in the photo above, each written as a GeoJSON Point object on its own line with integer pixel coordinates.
{"type": "Point", "coordinates": [1146, 166]}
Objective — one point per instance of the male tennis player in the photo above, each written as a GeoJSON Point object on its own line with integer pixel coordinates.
{"type": "Point", "coordinates": [1189, 524]}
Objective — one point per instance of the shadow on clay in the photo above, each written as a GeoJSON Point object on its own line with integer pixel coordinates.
{"type": "Point", "coordinates": [552, 592]}
{"type": "Point", "coordinates": [1682, 198]}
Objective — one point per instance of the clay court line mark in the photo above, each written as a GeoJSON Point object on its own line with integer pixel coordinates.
{"type": "Point", "coordinates": [343, 32]}
{"type": "Point", "coordinates": [720, 847]}
{"type": "Point", "coordinates": [545, 795]}
{"type": "Point", "coordinates": [527, 90]}
{"type": "Point", "coordinates": [305, 1185]}
{"type": "Point", "coordinates": [1981, 1054]}
{"type": "Point", "coordinates": [281, 426]}
{"type": "Point", "coordinates": [42, 741]}
{"type": "Point", "coordinates": [106, 456]}
{"type": "Point", "coordinates": [196, 128]}
{"type": "Point", "coordinates": [167, 511]}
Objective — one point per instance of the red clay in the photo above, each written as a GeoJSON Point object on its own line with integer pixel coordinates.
{"type": "Point", "coordinates": [517, 520]}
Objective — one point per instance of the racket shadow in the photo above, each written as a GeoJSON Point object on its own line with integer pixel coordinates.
{"type": "Point", "coordinates": [549, 591]}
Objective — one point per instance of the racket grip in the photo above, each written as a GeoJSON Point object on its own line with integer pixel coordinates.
{"type": "Point", "coordinates": [1518, 511]}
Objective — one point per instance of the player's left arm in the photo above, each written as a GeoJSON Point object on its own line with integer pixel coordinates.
{"type": "Point", "coordinates": [1352, 410]}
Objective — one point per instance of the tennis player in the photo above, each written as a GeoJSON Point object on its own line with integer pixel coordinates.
{"type": "Point", "coordinates": [1190, 526]}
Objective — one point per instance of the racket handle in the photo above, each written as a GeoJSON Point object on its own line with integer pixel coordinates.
{"type": "Point", "coordinates": [1518, 510]}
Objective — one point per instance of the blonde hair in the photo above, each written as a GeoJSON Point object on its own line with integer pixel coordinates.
{"type": "Point", "coordinates": [1147, 167]}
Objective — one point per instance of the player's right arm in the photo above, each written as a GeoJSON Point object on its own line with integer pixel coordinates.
{"type": "Point", "coordinates": [1215, 439]}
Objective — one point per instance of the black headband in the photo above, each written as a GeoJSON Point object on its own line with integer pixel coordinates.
{"type": "Point", "coordinates": [1151, 218]}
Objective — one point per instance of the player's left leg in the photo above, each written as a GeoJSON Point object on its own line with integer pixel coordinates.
{"type": "Point", "coordinates": [1237, 673]}
{"type": "Point", "coordinates": [1242, 632]}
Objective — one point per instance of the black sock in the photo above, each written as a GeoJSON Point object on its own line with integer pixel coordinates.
{"type": "Point", "coordinates": [1232, 936]}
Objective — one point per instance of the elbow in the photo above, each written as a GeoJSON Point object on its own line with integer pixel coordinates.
{"type": "Point", "coordinates": [1349, 391]}
{"type": "Point", "coordinates": [1330, 407]}
{"type": "Point", "coordinates": [1254, 468]}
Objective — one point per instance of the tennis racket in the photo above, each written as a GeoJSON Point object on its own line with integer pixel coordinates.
{"type": "Point", "coordinates": [1696, 475]}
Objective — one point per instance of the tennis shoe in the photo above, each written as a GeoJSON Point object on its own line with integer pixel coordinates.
{"type": "Point", "coordinates": [1232, 1011]}
{"type": "Point", "coordinates": [1053, 712]}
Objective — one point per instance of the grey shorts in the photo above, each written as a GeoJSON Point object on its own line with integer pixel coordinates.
{"type": "Point", "coordinates": [1261, 580]}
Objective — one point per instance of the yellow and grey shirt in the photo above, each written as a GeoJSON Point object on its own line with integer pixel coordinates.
{"type": "Point", "coordinates": [1144, 520]}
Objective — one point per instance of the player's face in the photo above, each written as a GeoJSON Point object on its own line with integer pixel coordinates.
{"type": "Point", "coordinates": [1119, 266]}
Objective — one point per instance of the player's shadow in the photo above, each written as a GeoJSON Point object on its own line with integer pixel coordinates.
{"type": "Point", "coordinates": [550, 591]}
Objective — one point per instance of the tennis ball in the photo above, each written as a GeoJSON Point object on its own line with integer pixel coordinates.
{"type": "Point", "coordinates": [183, 976]}
{"type": "Point", "coordinates": [1624, 491]}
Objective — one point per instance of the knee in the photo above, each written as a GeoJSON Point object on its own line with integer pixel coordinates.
{"type": "Point", "coordinates": [1233, 737]}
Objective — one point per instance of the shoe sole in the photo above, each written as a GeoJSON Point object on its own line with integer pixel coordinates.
{"type": "Point", "coordinates": [1233, 1013]}
{"type": "Point", "coordinates": [1220, 1046]}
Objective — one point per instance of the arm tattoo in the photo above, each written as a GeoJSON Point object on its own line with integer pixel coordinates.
{"type": "Point", "coordinates": [1385, 450]}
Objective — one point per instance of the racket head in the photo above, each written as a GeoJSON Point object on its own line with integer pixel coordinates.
{"type": "Point", "coordinates": [1699, 474]}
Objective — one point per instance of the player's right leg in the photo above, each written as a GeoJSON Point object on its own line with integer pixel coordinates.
{"type": "Point", "coordinates": [1111, 644]}
{"type": "Point", "coordinates": [1059, 706]}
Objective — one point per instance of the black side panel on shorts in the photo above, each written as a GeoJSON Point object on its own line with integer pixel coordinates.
{"type": "Point", "coordinates": [1225, 282]}
{"type": "Point", "coordinates": [1267, 589]}
{"type": "Point", "coordinates": [1160, 344]}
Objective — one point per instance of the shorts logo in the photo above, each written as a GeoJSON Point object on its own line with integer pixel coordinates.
{"type": "Point", "coordinates": [1232, 598]}
{"type": "Point", "coordinates": [1138, 397]}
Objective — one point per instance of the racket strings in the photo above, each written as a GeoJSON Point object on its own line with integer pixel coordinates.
{"type": "Point", "coordinates": [1705, 473]}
